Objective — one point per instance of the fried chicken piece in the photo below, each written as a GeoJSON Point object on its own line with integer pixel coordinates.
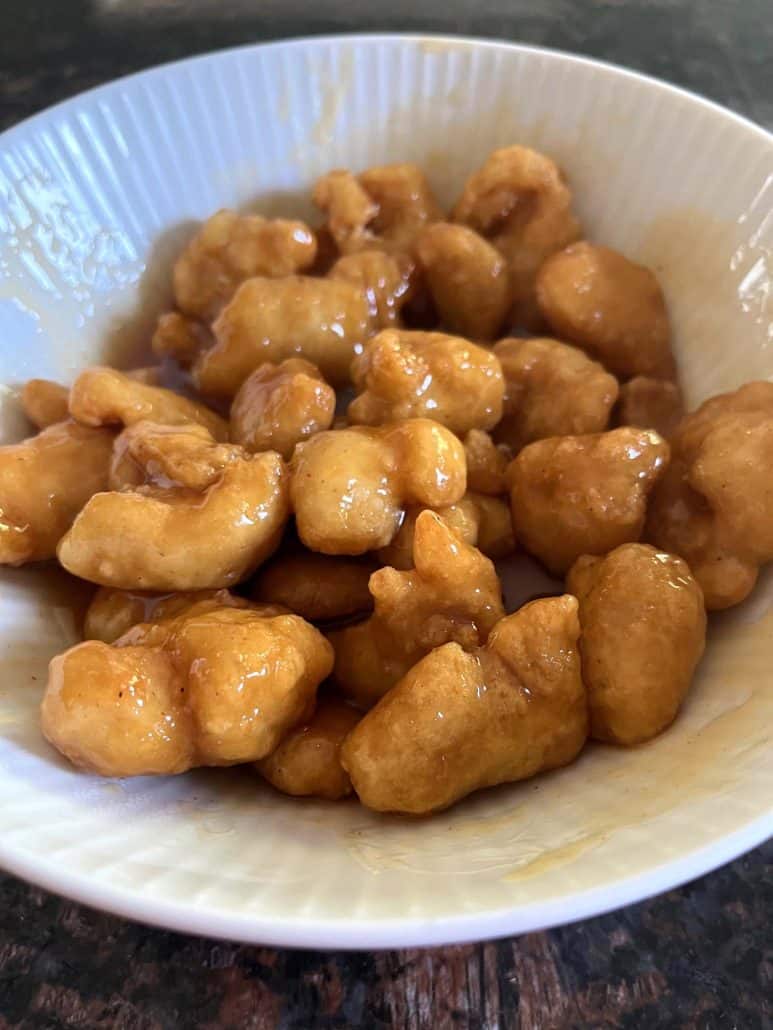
{"type": "Point", "coordinates": [643, 633]}
{"type": "Point", "coordinates": [452, 594]}
{"type": "Point", "coordinates": [459, 721]}
{"type": "Point", "coordinates": [575, 495]}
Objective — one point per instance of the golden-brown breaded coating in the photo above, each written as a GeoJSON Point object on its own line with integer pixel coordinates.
{"type": "Point", "coordinates": [611, 307]}
{"type": "Point", "coordinates": [318, 587]}
{"type": "Point", "coordinates": [486, 462]}
{"type": "Point", "coordinates": [404, 374]}
{"type": "Point", "coordinates": [383, 208]}
{"type": "Point", "coordinates": [463, 518]}
{"type": "Point", "coordinates": [643, 633]}
{"type": "Point", "coordinates": [574, 495]}
{"type": "Point", "coordinates": [406, 203]}
{"type": "Point", "coordinates": [214, 687]}
{"type": "Point", "coordinates": [179, 337]}
{"type": "Point", "coordinates": [478, 519]}
{"type": "Point", "coordinates": [467, 278]}
{"type": "Point", "coordinates": [167, 456]}
{"type": "Point", "coordinates": [44, 482]}
{"type": "Point", "coordinates": [650, 404]}
{"type": "Point", "coordinates": [452, 593]}
{"type": "Point", "coordinates": [519, 201]}
{"type": "Point", "coordinates": [45, 402]}
{"type": "Point", "coordinates": [458, 722]}
{"type": "Point", "coordinates": [350, 487]}
{"type": "Point", "coordinates": [387, 281]}
{"type": "Point", "coordinates": [495, 525]}
{"type": "Point", "coordinates": [230, 248]}
{"type": "Point", "coordinates": [205, 516]}
{"type": "Point", "coordinates": [325, 321]}
{"type": "Point", "coordinates": [112, 612]}
{"type": "Point", "coordinates": [551, 389]}
{"type": "Point", "coordinates": [308, 761]}
{"type": "Point", "coordinates": [277, 406]}
{"type": "Point", "coordinates": [348, 208]}
{"type": "Point", "coordinates": [103, 396]}
{"type": "Point", "coordinates": [715, 505]}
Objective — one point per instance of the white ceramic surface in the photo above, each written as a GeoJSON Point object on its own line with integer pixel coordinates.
{"type": "Point", "coordinates": [96, 195]}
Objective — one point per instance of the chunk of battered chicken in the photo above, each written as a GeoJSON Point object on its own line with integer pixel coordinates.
{"type": "Point", "coordinates": [106, 397]}
{"type": "Point", "coordinates": [468, 279]}
{"type": "Point", "coordinates": [317, 586]}
{"type": "Point", "coordinates": [325, 321]}
{"type": "Point", "coordinates": [403, 374]}
{"type": "Point", "coordinates": [308, 761]}
{"type": "Point", "coordinates": [214, 687]}
{"type": "Point", "coordinates": [230, 248]}
{"type": "Point", "coordinates": [519, 200]}
{"type": "Point", "coordinates": [44, 482]}
{"type": "Point", "coordinates": [643, 633]}
{"type": "Point", "coordinates": [486, 462]}
{"type": "Point", "coordinates": [479, 520]}
{"type": "Point", "coordinates": [452, 593]}
{"type": "Point", "coordinates": [205, 516]}
{"type": "Point", "coordinates": [350, 487]}
{"type": "Point", "coordinates": [611, 307]}
{"type": "Point", "coordinates": [277, 406]}
{"type": "Point", "coordinates": [551, 389]}
{"type": "Point", "coordinates": [383, 208]}
{"type": "Point", "coordinates": [715, 505]}
{"type": "Point", "coordinates": [45, 402]}
{"type": "Point", "coordinates": [458, 722]}
{"type": "Point", "coordinates": [574, 495]}
{"type": "Point", "coordinates": [388, 282]}
{"type": "Point", "coordinates": [179, 337]}
{"type": "Point", "coordinates": [650, 404]}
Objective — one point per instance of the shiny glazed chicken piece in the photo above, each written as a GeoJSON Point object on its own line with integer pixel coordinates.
{"type": "Point", "coordinates": [468, 279]}
{"type": "Point", "coordinates": [574, 495]}
{"type": "Point", "coordinates": [106, 397]}
{"type": "Point", "coordinates": [277, 406]}
{"type": "Point", "coordinates": [714, 507]}
{"type": "Point", "coordinates": [611, 307]}
{"type": "Point", "coordinates": [403, 374]}
{"type": "Point", "coordinates": [184, 513]}
{"type": "Point", "coordinates": [520, 202]}
{"type": "Point", "coordinates": [486, 462]}
{"type": "Point", "coordinates": [551, 389]}
{"type": "Point", "coordinates": [325, 321]}
{"type": "Point", "coordinates": [452, 594]}
{"type": "Point", "coordinates": [350, 487]}
{"type": "Point", "coordinates": [217, 686]}
{"type": "Point", "coordinates": [307, 763]}
{"type": "Point", "coordinates": [44, 402]}
{"type": "Point", "coordinates": [459, 721]}
{"type": "Point", "coordinates": [643, 633]}
{"type": "Point", "coordinates": [44, 482]}
{"type": "Point", "coordinates": [383, 208]}
{"type": "Point", "coordinates": [181, 338]}
{"type": "Point", "coordinates": [230, 248]}
{"type": "Point", "coordinates": [388, 282]}
{"type": "Point", "coordinates": [318, 587]}
{"type": "Point", "coordinates": [478, 519]}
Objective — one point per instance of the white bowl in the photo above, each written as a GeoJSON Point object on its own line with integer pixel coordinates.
{"type": "Point", "coordinates": [95, 196]}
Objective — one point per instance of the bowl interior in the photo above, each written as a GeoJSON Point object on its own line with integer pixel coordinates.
{"type": "Point", "coordinates": [96, 197]}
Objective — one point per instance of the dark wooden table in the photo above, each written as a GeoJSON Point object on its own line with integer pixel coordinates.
{"type": "Point", "coordinates": [699, 957]}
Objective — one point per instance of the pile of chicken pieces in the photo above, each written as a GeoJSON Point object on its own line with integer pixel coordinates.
{"type": "Point", "coordinates": [358, 440]}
